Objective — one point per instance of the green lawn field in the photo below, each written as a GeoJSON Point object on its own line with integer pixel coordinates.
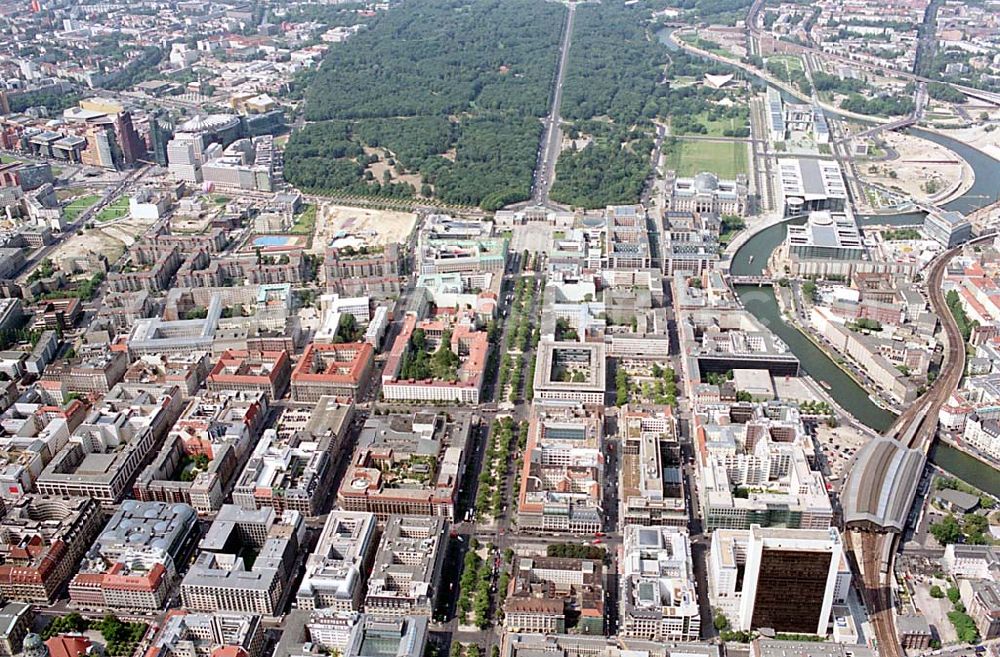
{"type": "Point", "coordinates": [77, 207]}
{"type": "Point", "coordinates": [724, 159]}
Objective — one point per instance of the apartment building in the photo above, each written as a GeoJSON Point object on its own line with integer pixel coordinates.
{"type": "Point", "coordinates": [16, 620]}
{"type": "Point", "coordinates": [149, 266]}
{"type": "Point", "coordinates": [438, 254]}
{"type": "Point", "coordinates": [981, 598]}
{"type": "Point", "coordinates": [878, 357]}
{"type": "Point", "coordinates": [971, 561]}
{"type": "Point", "coordinates": [134, 561]}
{"type": "Point", "coordinates": [690, 242]}
{"type": "Point", "coordinates": [338, 370]}
{"type": "Point", "coordinates": [546, 594]}
{"type": "Point", "coordinates": [105, 453]}
{"type": "Point", "coordinates": [353, 268]}
{"type": "Point", "coordinates": [561, 479]}
{"type": "Point", "coordinates": [221, 580]}
{"type": "Point", "coordinates": [282, 473]}
{"type": "Point", "coordinates": [204, 450]}
{"type": "Point", "coordinates": [43, 541]}
{"type": "Point", "coordinates": [651, 491]}
{"type": "Point", "coordinates": [191, 634]}
{"type": "Point", "coordinates": [97, 374]}
{"type": "Point", "coordinates": [570, 372]}
{"type": "Point", "coordinates": [262, 371]}
{"type": "Point", "coordinates": [34, 435]}
{"type": "Point", "coordinates": [754, 469]}
{"type": "Point", "coordinates": [465, 340]}
{"type": "Point", "coordinates": [983, 434]}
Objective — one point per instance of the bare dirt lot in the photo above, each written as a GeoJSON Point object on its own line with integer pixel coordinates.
{"type": "Point", "coordinates": [923, 170]}
{"type": "Point", "coordinates": [111, 240]}
{"type": "Point", "coordinates": [985, 137]}
{"type": "Point", "coordinates": [377, 226]}
{"type": "Point", "coordinates": [936, 609]}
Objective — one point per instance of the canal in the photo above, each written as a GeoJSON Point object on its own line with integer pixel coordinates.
{"type": "Point", "coordinates": [967, 468]}
{"type": "Point", "coordinates": [753, 256]}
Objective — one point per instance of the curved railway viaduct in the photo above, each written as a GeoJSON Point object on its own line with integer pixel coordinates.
{"type": "Point", "coordinates": [881, 486]}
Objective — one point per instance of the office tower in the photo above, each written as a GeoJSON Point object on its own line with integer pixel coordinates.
{"type": "Point", "coordinates": [784, 579]}
{"type": "Point", "coordinates": [159, 136]}
{"type": "Point", "coordinates": [132, 146]}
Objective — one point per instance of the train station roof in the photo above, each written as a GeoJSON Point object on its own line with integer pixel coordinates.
{"type": "Point", "coordinates": [879, 489]}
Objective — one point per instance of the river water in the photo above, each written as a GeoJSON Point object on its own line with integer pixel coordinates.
{"type": "Point", "coordinates": [762, 304]}
{"type": "Point", "coordinates": [752, 257]}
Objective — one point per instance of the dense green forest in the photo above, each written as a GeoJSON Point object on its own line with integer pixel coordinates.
{"type": "Point", "coordinates": [493, 163]}
{"type": "Point", "coordinates": [947, 93]}
{"type": "Point", "coordinates": [138, 69]}
{"type": "Point", "coordinates": [439, 57]}
{"type": "Point", "coordinates": [614, 66]}
{"type": "Point", "coordinates": [610, 170]}
{"type": "Point", "coordinates": [54, 101]}
{"type": "Point", "coordinates": [451, 90]}
{"type": "Point", "coordinates": [342, 14]}
{"type": "Point", "coordinates": [881, 106]}
{"type": "Point", "coordinates": [614, 72]}
{"type": "Point", "coordinates": [493, 159]}
{"type": "Point", "coordinates": [826, 82]}
{"type": "Point", "coordinates": [717, 11]}
{"type": "Point", "coordinates": [618, 75]}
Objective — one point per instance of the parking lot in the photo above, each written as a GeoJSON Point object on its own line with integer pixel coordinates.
{"type": "Point", "coordinates": [839, 444]}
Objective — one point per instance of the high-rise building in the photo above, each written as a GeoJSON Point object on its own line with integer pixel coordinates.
{"type": "Point", "coordinates": [132, 147]}
{"type": "Point", "coordinates": [784, 579]}
{"type": "Point", "coordinates": [159, 136]}
{"type": "Point", "coordinates": [101, 147]}
{"type": "Point", "coordinates": [182, 160]}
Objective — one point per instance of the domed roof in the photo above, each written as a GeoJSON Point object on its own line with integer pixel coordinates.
{"type": "Point", "coordinates": [210, 123]}
{"type": "Point", "coordinates": [34, 646]}
{"type": "Point", "coordinates": [706, 182]}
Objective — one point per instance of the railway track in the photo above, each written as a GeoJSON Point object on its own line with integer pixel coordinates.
{"type": "Point", "coordinates": [916, 428]}
{"type": "Point", "coordinates": [877, 591]}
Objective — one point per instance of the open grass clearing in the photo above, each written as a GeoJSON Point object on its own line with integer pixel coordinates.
{"type": "Point", "coordinates": [724, 159]}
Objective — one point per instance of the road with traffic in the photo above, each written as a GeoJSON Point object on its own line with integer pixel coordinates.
{"type": "Point", "coordinates": [551, 144]}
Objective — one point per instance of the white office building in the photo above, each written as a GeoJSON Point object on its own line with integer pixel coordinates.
{"type": "Point", "coordinates": [659, 601]}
